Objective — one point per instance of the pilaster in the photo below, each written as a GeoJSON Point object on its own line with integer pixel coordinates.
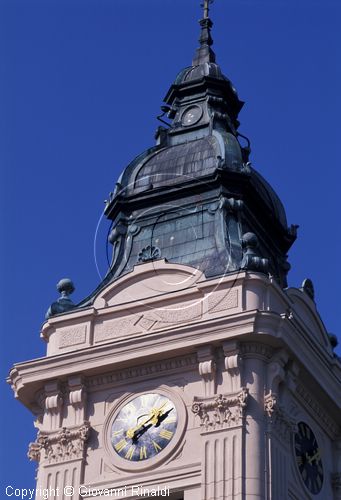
{"type": "Point", "coordinates": [221, 419]}
{"type": "Point", "coordinates": [61, 458]}
{"type": "Point", "coordinates": [255, 358]}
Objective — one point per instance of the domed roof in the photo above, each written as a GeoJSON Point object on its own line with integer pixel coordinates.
{"type": "Point", "coordinates": [191, 160]}
{"type": "Point", "coordinates": [199, 71]}
{"type": "Point", "coordinates": [174, 164]}
{"type": "Point", "coordinates": [270, 197]}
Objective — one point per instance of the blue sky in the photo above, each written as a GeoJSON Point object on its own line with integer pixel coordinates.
{"type": "Point", "coordinates": [81, 84]}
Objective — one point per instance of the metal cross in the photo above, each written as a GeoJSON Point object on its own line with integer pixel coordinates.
{"type": "Point", "coordinates": [206, 6]}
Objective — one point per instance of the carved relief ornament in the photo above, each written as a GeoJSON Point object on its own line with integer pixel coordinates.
{"type": "Point", "coordinates": [223, 411]}
{"type": "Point", "coordinates": [282, 425]}
{"type": "Point", "coordinates": [67, 444]}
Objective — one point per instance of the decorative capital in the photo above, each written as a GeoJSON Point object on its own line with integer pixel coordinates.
{"type": "Point", "coordinates": [64, 445]}
{"type": "Point", "coordinates": [34, 451]}
{"type": "Point", "coordinates": [282, 425]}
{"type": "Point", "coordinates": [223, 411]}
{"type": "Point", "coordinates": [270, 403]}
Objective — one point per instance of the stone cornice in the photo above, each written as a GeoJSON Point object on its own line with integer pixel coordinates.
{"type": "Point", "coordinates": [28, 377]}
{"type": "Point", "coordinates": [148, 370]}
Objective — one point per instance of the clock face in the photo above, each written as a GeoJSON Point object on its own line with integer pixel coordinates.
{"type": "Point", "coordinates": [308, 458]}
{"type": "Point", "coordinates": [191, 115]}
{"type": "Point", "coordinates": [144, 427]}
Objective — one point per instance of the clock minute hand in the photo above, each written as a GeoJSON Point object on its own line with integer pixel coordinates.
{"type": "Point", "coordinates": [156, 413]}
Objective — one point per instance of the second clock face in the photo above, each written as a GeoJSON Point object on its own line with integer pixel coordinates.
{"type": "Point", "coordinates": [191, 115]}
{"type": "Point", "coordinates": [308, 458]}
{"type": "Point", "coordinates": [144, 427]}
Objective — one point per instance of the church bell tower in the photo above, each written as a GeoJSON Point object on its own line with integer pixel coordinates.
{"type": "Point", "coordinates": [192, 371]}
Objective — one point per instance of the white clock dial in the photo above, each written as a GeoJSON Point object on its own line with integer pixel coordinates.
{"type": "Point", "coordinates": [191, 115]}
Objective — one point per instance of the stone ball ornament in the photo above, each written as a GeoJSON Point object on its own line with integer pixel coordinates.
{"type": "Point", "coordinates": [250, 240]}
{"type": "Point", "coordinates": [63, 304]}
{"type": "Point", "coordinates": [65, 286]}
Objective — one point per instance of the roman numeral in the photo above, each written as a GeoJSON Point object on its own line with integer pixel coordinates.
{"type": "Point", "coordinates": [120, 445]}
{"type": "Point", "coordinates": [130, 452]}
{"type": "Point", "coordinates": [143, 452]}
{"type": "Point", "coordinates": [299, 460]}
{"type": "Point", "coordinates": [144, 401]}
{"type": "Point", "coordinates": [156, 446]}
{"type": "Point", "coordinates": [130, 408]}
{"type": "Point", "coordinates": [166, 434]}
{"type": "Point", "coordinates": [116, 433]}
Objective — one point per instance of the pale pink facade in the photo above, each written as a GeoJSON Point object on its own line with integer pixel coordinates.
{"type": "Point", "coordinates": [242, 360]}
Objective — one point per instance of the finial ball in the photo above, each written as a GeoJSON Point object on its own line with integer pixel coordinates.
{"type": "Point", "coordinates": [65, 286]}
{"type": "Point", "coordinates": [250, 240]}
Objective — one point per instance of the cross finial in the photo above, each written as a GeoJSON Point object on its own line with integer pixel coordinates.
{"type": "Point", "coordinates": [206, 6]}
{"type": "Point", "coordinates": [204, 53]}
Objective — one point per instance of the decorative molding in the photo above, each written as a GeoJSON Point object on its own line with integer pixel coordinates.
{"type": "Point", "coordinates": [71, 336]}
{"type": "Point", "coordinates": [149, 253]}
{"type": "Point", "coordinates": [223, 411]}
{"type": "Point", "coordinates": [327, 423]}
{"type": "Point", "coordinates": [147, 322]}
{"type": "Point", "coordinates": [221, 301]}
{"type": "Point", "coordinates": [108, 330]}
{"type": "Point", "coordinates": [67, 444]}
{"type": "Point", "coordinates": [150, 369]}
{"type": "Point", "coordinates": [256, 349]}
{"type": "Point", "coordinates": [181, 314]}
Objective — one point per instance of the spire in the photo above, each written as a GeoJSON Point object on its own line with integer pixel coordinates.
{"type": "Point", "coordinates": [204, 53]}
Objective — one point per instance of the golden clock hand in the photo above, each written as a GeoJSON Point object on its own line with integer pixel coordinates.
{"type": "Point", "coordinates": [316, 456]}
{"type": "Point", "coordinates": [156, 413]}
{"type": "Point", "coordinates": [131, 432]}
{"type": "Point", "coordinates": [153, 417]}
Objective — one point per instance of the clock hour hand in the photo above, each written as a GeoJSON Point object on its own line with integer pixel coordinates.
{"type": "Point", "coordinates": [153, 419]}
{"type": "Point", "coordinates": [316, 456]}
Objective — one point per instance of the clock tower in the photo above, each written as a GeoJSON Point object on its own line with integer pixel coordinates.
{"type": "Point", "coordinates": [192, 371]}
